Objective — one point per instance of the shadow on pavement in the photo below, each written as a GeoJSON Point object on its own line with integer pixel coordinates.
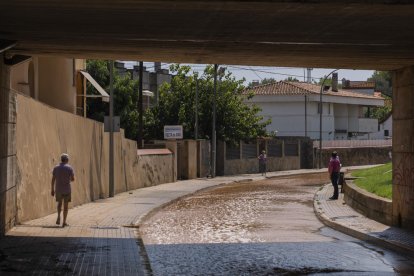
{"type": "Point", "coordinates": [63, 255]}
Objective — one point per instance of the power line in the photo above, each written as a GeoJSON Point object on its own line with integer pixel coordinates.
{"type": "Point", "coordinates": [256, 74]}
{"type": "Point", "coordinates": [269, 72]}
{"type": "Point", "coordinates": [255, 70]}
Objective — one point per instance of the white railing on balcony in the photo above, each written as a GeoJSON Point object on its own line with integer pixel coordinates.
{"type": "Point", "coordinates": [353, 143]}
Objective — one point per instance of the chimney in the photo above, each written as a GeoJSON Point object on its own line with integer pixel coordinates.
{"type": "Point", "coordinates": [335, 82]}
{"type": "Point", "coordinates": [157, 66]}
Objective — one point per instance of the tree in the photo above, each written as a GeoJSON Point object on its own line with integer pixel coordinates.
{"type": "Point", "coordinates": [381, 112]}
{"type": "Point", "coordinates": [235, 120]}
{"type": "Point", "coordinates": [125, 97]}
{"type": "Point", "coordinates": [291, 79]}
{"type": "Point", "coordinates": [263, 82]}
{"type": "Point", "coordinates": [383, 82]}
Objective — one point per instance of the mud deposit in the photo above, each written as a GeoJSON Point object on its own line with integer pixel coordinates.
{"type": "Point", "coordinates": [257, 228]}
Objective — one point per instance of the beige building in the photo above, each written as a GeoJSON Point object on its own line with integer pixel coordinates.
{"type": "Point", "coordinates": [51, 80]}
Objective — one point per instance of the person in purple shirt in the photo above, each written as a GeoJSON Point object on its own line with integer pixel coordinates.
{"type": "Point", "coordinates": [62, 176]}
{"type": "Point", "coordinates": [262, 163]}
{"type": "Point", "coordinates": [334, 168]}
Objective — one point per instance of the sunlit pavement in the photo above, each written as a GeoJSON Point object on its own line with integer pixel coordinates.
{"type": "Point", "coordinates": [338, 215]}
{"type": "Point", "coordinates": [259, 228]}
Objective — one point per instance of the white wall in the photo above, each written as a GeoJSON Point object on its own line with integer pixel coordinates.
{"type": "Point", "coordinates": [288, 118]}
{"type": "Point", "coordinates": [287, 114]}
{"type": "Point", "coordinates": [387, 125]}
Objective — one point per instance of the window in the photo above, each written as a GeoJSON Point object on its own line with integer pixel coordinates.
{"type": "Point", "coordinates": [386, 132]}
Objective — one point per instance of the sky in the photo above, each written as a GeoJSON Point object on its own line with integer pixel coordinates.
{"type": "Point", "coordinates": [251, 73]}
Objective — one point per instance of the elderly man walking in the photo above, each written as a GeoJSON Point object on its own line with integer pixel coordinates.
{"type": "Point", "coordinates": [62, 176]}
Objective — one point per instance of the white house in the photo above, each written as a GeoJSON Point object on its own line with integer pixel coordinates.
{"type": "Point", "coordinates": [384, 128]}
{"type": "Point", "coordinates": [293, 108]}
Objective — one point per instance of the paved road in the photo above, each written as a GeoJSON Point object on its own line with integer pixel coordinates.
{"type": "Point", "coordinates": [258, 228]}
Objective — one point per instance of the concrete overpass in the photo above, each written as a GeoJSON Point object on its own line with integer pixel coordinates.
{"type": "Point", "coordinates": [365, 34]}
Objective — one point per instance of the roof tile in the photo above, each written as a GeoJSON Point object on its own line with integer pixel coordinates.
{"type": "Point", "coordinates": [284, 88]}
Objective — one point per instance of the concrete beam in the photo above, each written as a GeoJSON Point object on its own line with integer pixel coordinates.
{"type": "Point", "coordinates": [341, 34]}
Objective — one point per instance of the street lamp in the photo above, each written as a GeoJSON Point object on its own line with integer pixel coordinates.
{"type": "Point", "coordinates": [320, 117]}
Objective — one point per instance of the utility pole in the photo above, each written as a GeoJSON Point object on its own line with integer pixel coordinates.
{"type": "Point", "coordinates": [196, 111]}
{"type": "Point", "coordinates": [320, 117]}
{"type": "Point", "coordinates": [306, 116]}
{"type": "Point", "coordinates": [213, 134]}
{"type": "Point", "coordinates": [111, 131]}
{"type": "Point", "coordinates": [140, 109]}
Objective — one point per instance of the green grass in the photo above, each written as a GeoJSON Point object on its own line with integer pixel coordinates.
{"type": "Point", "coordinates": [377, 180]}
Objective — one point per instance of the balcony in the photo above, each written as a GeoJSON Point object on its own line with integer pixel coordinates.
{"type": "Point", "coordinates": [363, 125]}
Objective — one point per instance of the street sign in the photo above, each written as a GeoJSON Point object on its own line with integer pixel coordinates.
{"type": "Point", "coordinates": [173, 132]}
{"type": "Point", "coordinates": [116, 124]}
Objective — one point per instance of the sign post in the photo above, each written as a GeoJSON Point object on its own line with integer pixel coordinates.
{"type": "Point", "coordinates": [173, 132]}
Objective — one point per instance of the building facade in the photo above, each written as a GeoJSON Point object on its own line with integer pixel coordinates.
{"type": "Point", "coordinates": [294, 109]}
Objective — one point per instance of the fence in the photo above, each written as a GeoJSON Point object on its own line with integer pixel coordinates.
{"type": "Point", "coordinates": [239, 158]}
{"type": "Point", "coordinates": [353, 143]}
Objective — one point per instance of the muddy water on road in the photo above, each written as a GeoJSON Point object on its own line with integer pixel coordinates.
{"type": "Point", "coordinates": [257, 228]}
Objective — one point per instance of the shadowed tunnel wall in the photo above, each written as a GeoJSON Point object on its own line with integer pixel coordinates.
{"type": "Point", "coordinates": [7, 152]}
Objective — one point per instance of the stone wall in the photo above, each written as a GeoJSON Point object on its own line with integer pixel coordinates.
{"type": "Point", "coordinates": [43, 133]}
{"type": "Point", "coordinates": [370, 205]}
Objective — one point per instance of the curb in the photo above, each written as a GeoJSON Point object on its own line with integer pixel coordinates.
{"type": "Point", "coordinates": [392, 245]}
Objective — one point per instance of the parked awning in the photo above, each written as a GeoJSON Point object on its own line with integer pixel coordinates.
{"type": "Point", "coordinates": [104, 95]}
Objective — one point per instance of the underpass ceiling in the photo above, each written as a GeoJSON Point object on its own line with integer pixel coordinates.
{"type": "Point", "coordinates": [331, 34]}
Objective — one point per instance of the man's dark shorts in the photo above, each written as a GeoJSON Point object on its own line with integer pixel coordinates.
{"type": "Point", "coordinates": [64, 197]}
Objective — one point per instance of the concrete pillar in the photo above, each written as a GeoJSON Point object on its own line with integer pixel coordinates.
{"type": "Point", "coordinates": [172, 146]}
{"type": "Point", "coordinates": [403, 148]}
{"type": "Point", "coordinates": [8, 170]}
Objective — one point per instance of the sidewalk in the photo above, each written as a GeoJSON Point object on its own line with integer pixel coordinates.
{"type": "Point", "coordinates": [339, 216]}
{"type": "Point", "coordinates": [101, 237]}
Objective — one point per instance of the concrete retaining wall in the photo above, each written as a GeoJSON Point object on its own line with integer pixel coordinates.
{"type": "Point", "coordinates": [356, 156]}
{"type": "Point", "coordinates": [370, 205]}
{"type": "Point", "coordinates": [43, 133]}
